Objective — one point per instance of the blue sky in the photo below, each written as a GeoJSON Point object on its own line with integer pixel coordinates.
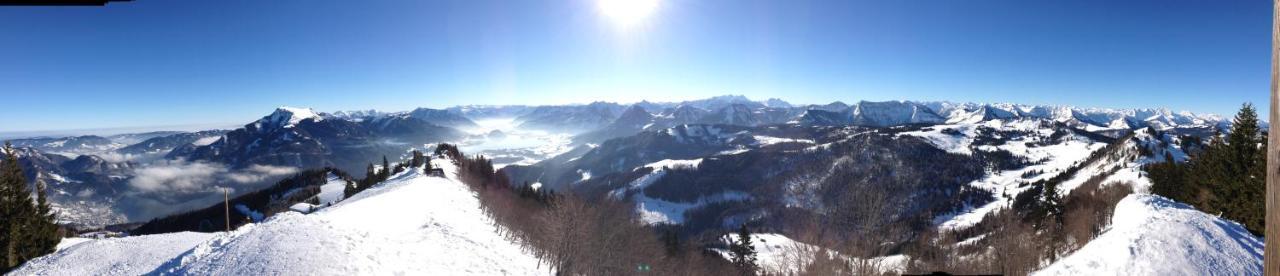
{"type": "Point", "coordinates": [167, 63]}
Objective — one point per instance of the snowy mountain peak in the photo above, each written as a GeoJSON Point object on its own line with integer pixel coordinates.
{"type": "Point", "coordinates": [634, 117]}
{"type": "Point", "coordinates": [776, 102]}
{"type": "Point", "coordinates": [288, 117]}
{"type": "Point", "coordinates": [891, 113]}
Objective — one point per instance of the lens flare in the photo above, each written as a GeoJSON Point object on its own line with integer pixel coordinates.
{"type": "Point", "coordinates": [627, 13]}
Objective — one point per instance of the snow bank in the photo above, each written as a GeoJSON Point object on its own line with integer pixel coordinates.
{"type": "Point", "coordinates": [115, 256]}
{"type": "Point", "coordinates": [1153, 235]}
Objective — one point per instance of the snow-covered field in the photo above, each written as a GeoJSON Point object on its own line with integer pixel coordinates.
{"type": "Point", "coordinates": [411, 224]}
{"type": "Point", "coordinates": [1153, 235]}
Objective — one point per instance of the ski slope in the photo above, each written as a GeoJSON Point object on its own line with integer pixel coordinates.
{"type": "Point", "coordinates": [410, 224]}
{"type": "Point", "coordinates": [1153, 235]}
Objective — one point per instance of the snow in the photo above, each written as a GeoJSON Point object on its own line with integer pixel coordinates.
{"type": "Point", "coordinates": [332, 190]}
{"type": "Point", "coordinates": [1055, 158]}
{"type": "Point", "coordinates": [1153, 235]}
{"type": "Point", "coordinates": [410, 224]}
{"type": "Point", "coordinates": [778, 254]}
{"type": "Point", "coordinates": [655, 211]}
{"type": "Point", "coordinates": [1133, 175]}
{"type": "Point", "coordinates": [288, 117]}
{"type": "Point", "coordinates": [958, 144]}
{"type": "Point", "coordinates": [206, 141]}
{"type": "Point", "coordinates": [769, 140]}
{"type": "Point", "coordinates": [113, 256]}
{"type": "Point", "coordinates": [302, 207]}
{"type": "Point", "coordinates": [69, 242]}
{"type": "Point", "coordinates": [669, 163]}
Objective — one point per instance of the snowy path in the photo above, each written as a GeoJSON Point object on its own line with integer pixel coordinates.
{"type": "Point", "coordinates": [411, 224]}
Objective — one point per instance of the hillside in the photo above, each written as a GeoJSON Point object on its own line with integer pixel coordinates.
{"type": "Point", "coordinates": [411, 222]}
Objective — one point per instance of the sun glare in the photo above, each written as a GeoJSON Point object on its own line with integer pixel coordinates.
{"type": "Point", "coordinates": [627, 13]}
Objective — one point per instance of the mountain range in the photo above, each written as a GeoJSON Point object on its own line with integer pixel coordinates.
{"type": "Point", "coordinates": [350, 140]}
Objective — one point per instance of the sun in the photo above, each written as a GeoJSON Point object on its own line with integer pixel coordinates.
{"type": "Point", "coordinates": [627, 13]}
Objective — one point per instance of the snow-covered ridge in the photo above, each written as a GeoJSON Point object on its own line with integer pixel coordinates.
{"type": "Point", "coordinates": [1153, 235]}
{"type": "Point", "coordinates": [410, 224]}
{"type": "Point", "coordinates": [1092, 118]}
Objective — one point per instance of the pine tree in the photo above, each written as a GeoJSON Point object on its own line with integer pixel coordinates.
{"type": "Point", "coordinates": [1226, 177]}
{"type": "Point", "coordinates": [8, 216]}
{"type": "Point", "coordinates": [1052, 204]}
{"type": "Point", "coordinates": [27, 230]}
{"type": "Point", "coordinates": [47, 236]}
{"type": "Point", "coordinates": [386, 169]}
{"type": "Point", "coordinates": [349, 190]}
{"type": "Point", "coordinates": [417, 159]}
{"type": "Point", "coordinates": [744, 252]}
{"type": "Point", "coordinates": [1245, 185]}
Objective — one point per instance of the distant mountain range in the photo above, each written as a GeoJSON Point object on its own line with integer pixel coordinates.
{"type": "Point", "coordinates": [93, 173]}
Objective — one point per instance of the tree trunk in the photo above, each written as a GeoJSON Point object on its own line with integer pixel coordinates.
{"type": "Point", "coordinates": [1272, 232]}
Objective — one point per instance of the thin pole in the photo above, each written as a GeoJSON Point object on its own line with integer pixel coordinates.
{"type": "Point", "coordinates": [1271, 252]}
{"type": "Point", "coordinates": [226, 205]}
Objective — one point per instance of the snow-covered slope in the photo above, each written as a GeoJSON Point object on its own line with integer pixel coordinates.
{"type": "Point", "coordinates": [1153, 235]}
{"type": "Point", "coordinates": [410, 224]}
{"type": "Point", "coordinates": [117, 256]}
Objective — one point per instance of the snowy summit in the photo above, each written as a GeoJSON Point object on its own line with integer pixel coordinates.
{"type": "Point", "coordinates": [287, 117]}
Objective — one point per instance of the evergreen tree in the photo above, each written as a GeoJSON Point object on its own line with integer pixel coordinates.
{"type": "Point", "coordinates": [417, 159]}
{"type": "Point", "coordinates": [348, 190]}
{"type": "Point", "coordinates": [1245, 186]}
{"type": "Point", "coordinates": [47, 236]}
{"type": "Point", "coordinates": [386, 169]}
{"type": "Point", "coordinates": [743, 252]}
{"type": "Point", "coordinates": [370, 177]}
{"type": "Point", "coordinates": [1227, 176]}
{"type": "Point", "coordinates": [27, 230]}
{"type": "Point", "coordinates": [1052, 204]}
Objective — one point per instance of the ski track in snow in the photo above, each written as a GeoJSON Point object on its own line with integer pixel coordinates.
{"type": "Point", "coordinates": [409, 224]}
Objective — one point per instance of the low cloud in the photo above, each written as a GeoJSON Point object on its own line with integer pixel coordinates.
{"type": "Point", "coordinates": [176, 176]}
{"type": "Point", "coordinates": [115, 157]}
{"type": "Point", "coordinates": [182, 177]}
{"type": "Point", "coordinates": [258, 173]}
